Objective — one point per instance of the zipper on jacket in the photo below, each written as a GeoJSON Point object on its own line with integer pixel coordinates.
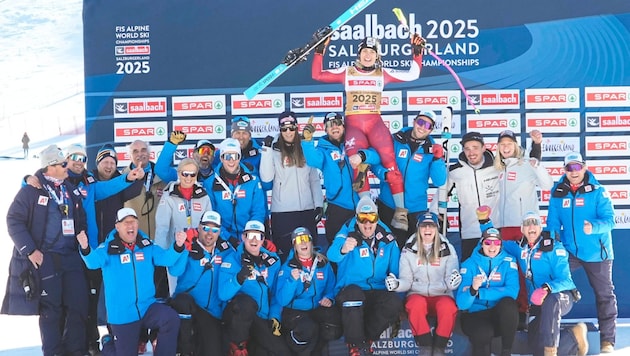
{"type": "Point", "coordinates": [135, 282]}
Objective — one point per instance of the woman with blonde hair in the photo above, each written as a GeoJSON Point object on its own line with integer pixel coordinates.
{"type": "Point", "coordinates": [429, 274]}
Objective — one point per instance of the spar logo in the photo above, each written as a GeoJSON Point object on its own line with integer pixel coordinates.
{"type": "Point", "coordinates": [124, 156]}
{"type": "Point", "coordinates": [552, 122]}
{"type": "Point", "coordinates": [429, 100]}
{"type": "Point", "coordinates": [140, 132]}
{"type": "Point", "coordinates": [609, 96]}
{"type": "Point", "coordinates": [361, 82]}
{"type": "Point", "coordinates": [492, 123]}
{"type": "Point", "coordinates": [609, 169]}
{"type": "Point", "coordinates": [254, 104]}
{"type": "Point", "coordinates": [549, 99]}
{"type": "Point", "coordinates": [618, 194]}
{"type": "Point", "coordinates": [194, 105]}
{"type": "Point", "coordinates": [555, 171]}
{"type": "Point", "coordinates": [607, 146]}
{"type": "Point", "coordinates": [140, 107]}
{"type": "Point", "coordinates": [196, 129]}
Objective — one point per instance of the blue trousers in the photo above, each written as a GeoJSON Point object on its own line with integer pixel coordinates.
{"type": "Point", "coordinates": [599, 276]}
{"type": "Point", "coordinates": [126, 336]}
{"type": "Point", "coordinates": [544, 330]}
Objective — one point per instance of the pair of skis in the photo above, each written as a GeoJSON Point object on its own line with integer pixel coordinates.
{"type": "Point", "coordinates": [298, 55]}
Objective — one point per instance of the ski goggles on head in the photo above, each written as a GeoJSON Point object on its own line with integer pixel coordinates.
{"type": "Point", "coordinates": [426, 124]}
{"type": "Point", "coordinates": [288, 128]}
{"type": "Point", "coordinates": [205, 150]}
{"type": "Point", "coordinates": [231, 156]}
{"type": "Point", "coordinates": [490, 242]}
{"type": "Point", "coordinates": [573, 167]}
{"type": "Point", "coordinates": [302, 238]}
{"type": "Point", "coordinates": [188, 174]}
{"type": "Point", "coordinates": [208, 228]}
{"type": "Point", "coordinates": [367, 217]}
{"type": "Point", "coordinates": [77, 157]}
{"type": "Point", "coordinates": [254, 235]}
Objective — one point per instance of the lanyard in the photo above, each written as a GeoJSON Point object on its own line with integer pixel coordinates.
{"type": "Point", "coordinates": [61, 200]}
{"type": "Point", "coordinates": [530, 251]}
{"type": "Point", "coordinates": [147, 182]}
{"type": "Point", "coordinates": [309, 276]}
{"type": "Point", "coordinates": [187, 205]}
{"type": "Point", "coordinates": [487, 278]}
{"type": "Point", "coordinates": [232, 193]}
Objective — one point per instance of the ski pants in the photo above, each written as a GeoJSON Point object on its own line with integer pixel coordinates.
{"type": "Point", "coordinates": [482, 326]}
{"type": "Point", "coordinates": [126, 336]}
{"type": "Point", "coordinates": [199, 333]}
{"type": "Point", "coordinates": [369, 130]}
{"type": "Point", "coordinates": [442, 306]}
{"type": "Point", "coordinates": [63, 307]}
{"type": "Point", "coordinates": [599, 276]}
{"type": "Point", "coordinates": [243, 324]}
{"type": "Point", "coordinates": [336, 216]}
{"type": "Point", "coordinates": [365, 314]}
{"type": "Point", "coordinates": [307, 331]}
{"type": "Point", "coordinates": [544, 330]}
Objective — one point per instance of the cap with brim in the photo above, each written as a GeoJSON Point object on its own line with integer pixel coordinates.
{"type": "Point", "coordinates": [429, 218]}
{"type": "Point", "coordinates": [332, 116]}
{"type": "Point", "coordinates": [530, 215]}
{"type": "Point", "coordinates": [428, 114]}
{"type": "Point", "coordinates": [51, 156]}
{"type": "Point", "coordinates": [472, 136]}
{"type": "Point", "coordinates": [201, 143]}
{"type": "Point", "coordinates": [254, 225]}
{"type": "Point", "coordinates": [75, 148]}
{"type": "Point", "coordinates": [299, 232]}
{"type": "Point", "coordinates": [241, 123]}
{"type": "Point", "coordinates": [507, 133]}
{"type": "Point", "coordinates": [124, 212]}
{"type": "Point", "coordinates": [230, 145]}
{"type": "Point", "coordinates": [491, 233]}
{"type": "Point", "coordinates": [211, 217]}
{"type": "Point", "coordinates": [573, 157]}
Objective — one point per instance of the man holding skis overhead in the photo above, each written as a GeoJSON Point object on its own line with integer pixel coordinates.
{"type": "Point", "coordinates": [364, 82]}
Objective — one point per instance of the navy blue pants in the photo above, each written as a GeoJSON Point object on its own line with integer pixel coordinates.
{"type": "Point", "coordinates": [63, 305]}
{"type": "Point", "coordinates": [126, 336]}
{"type": "Point", "coordinates": [599, 276]}
{"type": "Point", "coordinates": [199, 333]}
{"type": "Point", "coordinates": [544, 330]}
{"type": "Point", "coordinates": [307, 331]}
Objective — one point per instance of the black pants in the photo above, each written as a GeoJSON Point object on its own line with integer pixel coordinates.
{"type": "Point", "coordinates": [199, 332]}
{"type": "Point", "coordinates": [468, 246]}
{"type": "Point", "coordinates": [336, 216]}
{"type": "Point", "coordinates": [95, 281]}
{"type": "Point", "coordinates": [308, 331]}
{"type": "Point", "coordinates": [482, 326]}
{"type": "Point", "coordinates": [365, 314]}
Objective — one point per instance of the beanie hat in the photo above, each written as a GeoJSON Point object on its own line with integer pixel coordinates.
{"type": "Point", "coordinates": [75, 148]}
{"type": "Point", "coordinates": [51, 155]}
{"type": "Point", "coordinates": [287, 118]}
{"type": "Point", "coordinates": [241, 123]}
{"type": "Point", "coordinates": [507, 133]}
{"type": "Point", "coordinates": [366, 205]}
{"type": "Point", "coordinates": [491, 233]}
{"type": "Point", "coordinates": [230, 145]}
{"type": "Point", "coordinates": [107, 150]}
{"type": "Point", "coordinates": [472, 136]}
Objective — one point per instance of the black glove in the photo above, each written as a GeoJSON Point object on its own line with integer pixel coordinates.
{"type": "Point", "coordinates": [357, 236]}
{"type": "Point", "coordinates": [267, 141]}
{"type": "Point", "coordinates": [246, 269]}
{"type": "Point", "coordinates": [318, 35]}
{"type": "Point", "coordinates": [417, 43]}
{"type": "Point", "coordinates": [177, 137]}
{"type": "Point", "coordinates": [319, 213]}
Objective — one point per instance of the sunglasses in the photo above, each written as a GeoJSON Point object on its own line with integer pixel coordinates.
{"type": "Point", "coordinates": [367, 217]}
{"type": "Point", "coordinates": [254, 235]}
{"type": "Point", "coordinates": [490, 242]}
{"type": "Point", "coordinates": [77, 157]}
{"type": "Point", "coordinates": [334, 122]}
{"type": "Point", "coordinates": [426, 224]}
{"type": "Point", "coordinates": [62, 164]}
{"type": "Point", "coordinates": [531, 221]}
{"type": "Point", "coordinates": [573, 167]}
{"type": "Point", "coordinates": [231, 156]}
{"type": "Point", "coordinates": [208, 228]}
{"type": "Point", "coordinates": [302, 238]}
{"type": "Point", "coordinates": [189, 174]}
{"type": "Point", "coordinates": [205, 150]}
{"type": "Point", "coordinates": [427, 125]}
{"type": "Point", "coordinates": [288, 128]}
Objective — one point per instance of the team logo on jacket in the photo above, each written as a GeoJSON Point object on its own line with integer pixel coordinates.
{"type": "Point", "coordinates": [225, 195]}
{"type": "Point", "coordinates": [537, 255]}
{"type": "Point", "coordinates": [139, 256]}
{"type": "Point", "coordinates": [335, 155]}
{"type": "Point", "coordinates": [403, 153]}
{"type": "Point", "coordinates": [579, 201]}
{"type": "Point", "coordinates": [181, 208]}
{"type": "Point", "coordinates": [495, 276]}
{"type": "Point", "coordinates": [217, 260]}
{"type": "Point", "coordinates": [364, 252]}
{"type": "Point", "coordinates": [197, 206]}
{"type": "Point", "coordinates": [511, 176]}
{"type": "Point", "coordinates": [320, 275]}
{"type": "Point", "coordinates": [240, 193]}
{"type": "Point", "coordinates": [126, 258]}
{"type": "Point", "coordinates": [566, 203]}
{"type": "Point", "coordinates": [42, 200]}
{"type": "Point", "coordinates": [417, 157]}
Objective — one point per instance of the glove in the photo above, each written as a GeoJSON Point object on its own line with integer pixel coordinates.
{"type": "Point", "coordinates": [392, 175]}
{"type": "Point", "coordinates": [454, 280]}
{"type": "Point", "coordinates": [318, 35]}
{"type": "Point", "coordinates": [246, 269]}
{"type": "Point", "coordinates": [438, 151]}
{"type": "Point", "coordinates": [267, 141]}
{"type": "Point", "coordinates": [538, 296]}
{"type": "Point", "coordinates": [483, 212]}
{"type": "Point", "coordinates": [319, 213]}
{"type": "Point", "coordinates": [391, 282]}
{"type": "Point", "coordinates": [357, 236]}
{"type": "Point", "coordinates": [321, 48]}
{"type": "Point", "coordinates": [177, 137]}
{"type": "Point", "coordinates": [417, 43]}
{"type": "Point", "coordinates": [275, 327]}
{"type": "Point", "coordinates": [307, 133]}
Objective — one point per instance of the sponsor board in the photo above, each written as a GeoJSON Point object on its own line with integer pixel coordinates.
{"type": "Point", "coordinates": [607, 121]}
{"type": "Point", "coordinates": [197, 129]}
{"type": "Point", "coordinates": [493, 123]}
{"type": "Point", "coordinates": [543, 196]}
{"type": "Point", "coordinates": [561, 122]}
{"type": "Point", "coordinates": [318, 123]}
{"type": "Point", "coordinates": [140, 50]}
{"type": "Point", "coordinates": [260, 104]}
{"type": "Point", "coordinates": [554, 168]}
{"type": "Point", "coordinates": [607, 146]}
{"type": "Point", "coordinates": [622, 219]}
{"type": "Point", "coordinates": [491, 143]}
{"type": "Point", "coordinates": [456, 128]}
{"type": "Point", "coordinates": [598, 97]}
{"type": "Point", "coordinates": [393, 122]}
{"type": "Point", "coordinates": [199, 105]}
{"type": "Point", "coordinates": [141, 130]}
{"type": "Point", "coordinates": [434, 100]}
{"type": "Point", "coordinates": [314, 102]}
{"type": "Point", "coordinates": [139, 107]}
{"type": "Point", "coordinates": [557, 146]}
{"type": "Point", "coordinates": [124, 159]}
{"type": "Point", "coordinates": [182, 151]}
{"type": "Point", "coordinates": [619, 193]}
{"type": "Point", "coordinates": [391, 101]}
{"type": "Point", "coordinates": [614, 169]}
{"type": "Point", "coordinates": [263, 127]}
{"type": "Point", "coordinates": [552, 98]}
{"type": "Point", "coordinates": [494, 99]}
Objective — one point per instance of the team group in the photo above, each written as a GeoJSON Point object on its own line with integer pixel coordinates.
{"type": "Point", "coordinates": [193, 260]}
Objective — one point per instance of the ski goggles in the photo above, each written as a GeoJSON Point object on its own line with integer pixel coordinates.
{"type": "Point", "coordinates": [205, 150]}
{"type": "Point", "coordinates": [573, 167]}
{"type": "Point", "coordinates": [252, 235]}
{"type": "Point", "coordinates": [208, 228]}
{"type": "Point", "coordinates": [531, 221]}
{"type": "Point", "coordinates": [288, 128]}
{"type": "Point", "coordinates": [77, 157]}
{"type": "Point", "coordinates": [302, 238]}
{"type": "Point", "coordinates": [425, 124]}
{"type": "Point", "coordinates": [490, 242]}
{"type": "Point", "coordinates": [367, 217]}
{"type": "Point", "coordinates": [231, 156]}
{"type": "Point", "coordinates": [334, 122]}
{"type": "Point", "coordinates": [188, 174]}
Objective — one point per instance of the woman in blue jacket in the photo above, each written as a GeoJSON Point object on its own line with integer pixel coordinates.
{"type": "Point", "coordinates": [487, 295]}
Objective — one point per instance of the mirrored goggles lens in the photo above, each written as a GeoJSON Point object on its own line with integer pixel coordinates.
{"type": "Point", "coordinates": [573, 167]}
{"type": "Point", "coordinates": [78, 157]}
{"type": "Point", "coordinates": [254, 235]}
{"type": "Point", "coordinates": [214, 229]}
{"type": "Point", "coordinates": [367, 217]}
{"type": "Point", "coordinates": [189, 174]}
{"type": "Point", "coordinates": [490, 242]}
{"type": "Point", "coordinates": [231, 156]}
{"type": "Point", "coordinates": [302, 238]}
{"type": "Point", "coordinates": [288, 128]}
{"type": "Point", "coordinates": [426, 124]}
{"type": "Point", "coordinates": [531, 221]}
{"type": "Point", "coordinates": [334, 122]}
{"type": "Point", "coordinates": [205, 150]}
